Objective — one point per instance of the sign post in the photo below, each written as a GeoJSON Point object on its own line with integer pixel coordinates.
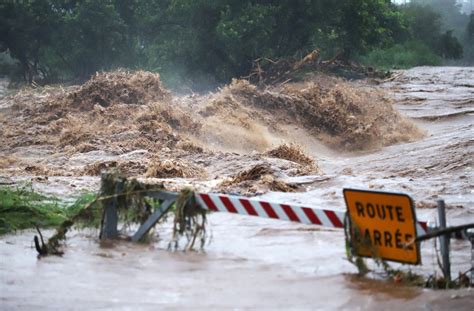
{"type": "Point", "coordinates": [444, 241]}
{"type": "Point", "coordinates": [381, 224]}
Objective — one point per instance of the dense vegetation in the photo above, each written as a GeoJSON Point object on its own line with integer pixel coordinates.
{"type": "Point", "coordinates": [206, 42]}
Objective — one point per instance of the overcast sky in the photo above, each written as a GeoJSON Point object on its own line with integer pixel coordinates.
{"type": "Point", "coordinates": [467, 5]}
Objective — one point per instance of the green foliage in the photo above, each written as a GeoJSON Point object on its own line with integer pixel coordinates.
{"type": "Point", "coordinates": [469, 41]}
{"type": "Point", "coordinates": [441, 25]}
{"type": "Point", "coordinates": [401, 56]}
{"type": "Point", "coordinates": [22, 208]}
{"type": "Point", "coordinates": [190, 220]}
{"type": "Point", "coordinates": [470, 29]}
{"type": "Point", "coordinates": [362, 24]}
{"type": "Point", "coordinates": [26, 27]}
{"type": "Point", "coordinates": [8, 65]}
{"type": "Point", "coordinates": [233, 34]}
{"type": "Point", "coordinates": [423, 43]}
{"type": "Point", "coordinates": [449, 47]}
{"type": "Point", "coordinates": [450, 13]}
{"type": "Point", "coordinates": [246, 34]}
{"type": "Point", "coordinates": [79, 204]}
{"type": "Point", "coordinates": [98, 42]}
{"type": "Point", "coordinates": [202, 43]}
{"type": "Point", "coordinates": [424, 24]}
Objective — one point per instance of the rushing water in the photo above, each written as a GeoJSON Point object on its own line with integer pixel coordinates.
{"type": "Point", "coordinates": [254, 263]}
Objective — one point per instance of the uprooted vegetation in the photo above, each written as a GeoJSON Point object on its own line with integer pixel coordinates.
{"type": "Point", "coordinates": [257, 179]}
{"type": "Point", "coordinates": [131, 204]}
{"type": "Point", "coordinates": [293, 152]}
{"type": "Point", "coordinates": [130, 168]}
{"type": "Point", "coordinates": [132, 111]}
{"type": "Point", "coordinates": [119, 113]}
{"type": "Point", "coordinates": [118, 87]}
{"type": "Point", "coordinates": [341, 115]}
{"type": "Point", "coordinates": [267, 71]}
{"type": "Point", "coordinates": [116, 111]}
{"type": "Point", "coordinates": [172, 168]}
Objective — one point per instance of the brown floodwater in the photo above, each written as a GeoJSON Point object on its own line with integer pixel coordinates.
{"type": "Point", "coordinates": [253, 263]}
{"type": "Point", "coordinates": [249, 264]}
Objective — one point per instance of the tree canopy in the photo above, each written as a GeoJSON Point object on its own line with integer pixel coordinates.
{"type": "Point", "coordinates": [203, 41]}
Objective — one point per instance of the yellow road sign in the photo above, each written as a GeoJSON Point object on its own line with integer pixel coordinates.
{"type": "Point", "coordinates": [381, 224]}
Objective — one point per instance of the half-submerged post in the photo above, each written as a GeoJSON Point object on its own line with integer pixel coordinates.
{"type": "Point", "coordinates": [444, 241]}
{"type": "Point", "coordinates": [110, 188]}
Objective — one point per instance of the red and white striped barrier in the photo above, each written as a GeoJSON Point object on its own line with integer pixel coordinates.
{"type": "Point", "coordinates": [421, 228]}
{"type": "Point", "coordinates": [252, 207]}
{"type": "Point", "coordinates": [298, 213]}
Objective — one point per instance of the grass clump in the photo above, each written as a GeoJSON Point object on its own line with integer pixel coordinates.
{"type": "Point", "coordinates": [22, 208]}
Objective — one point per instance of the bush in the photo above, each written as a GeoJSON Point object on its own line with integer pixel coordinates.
{"type": "Point", "coordinates": [401, 56]}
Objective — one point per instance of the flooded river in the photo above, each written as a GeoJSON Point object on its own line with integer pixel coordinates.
{"type": "Point", "coordinates": [254, 263]}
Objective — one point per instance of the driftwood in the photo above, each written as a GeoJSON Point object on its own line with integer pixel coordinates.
{"type": "Point", "coordinates": [334, 58]}
{"type": "Point", "coordinates": [393, 77]}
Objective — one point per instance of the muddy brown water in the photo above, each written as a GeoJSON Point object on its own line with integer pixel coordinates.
{"type": "Point", "coordinates": [254, 263]}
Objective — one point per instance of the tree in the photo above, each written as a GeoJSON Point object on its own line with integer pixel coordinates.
{"type": "Point", "coordinates": [449, 46]}
{"type": "Point", "coordinates": [470, 29]}
{"type": "Point", "coordinates": [205, 41]}
{"type": "Point", "coordinates": [356, 26]}
{"type": "Point", "coordinates": [246, 33]}
{"type": "Point", "coordinates": [450, 11]}
{"type": "Point", "coordinates": [93, 37]}
{"type": "Point", "coordinates": [424, 23]}
{"type": "Point", "coordinates": [26, 27]}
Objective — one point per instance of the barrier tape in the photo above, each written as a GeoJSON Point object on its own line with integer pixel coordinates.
{"type": "Point", "coordinates": [265, 209]}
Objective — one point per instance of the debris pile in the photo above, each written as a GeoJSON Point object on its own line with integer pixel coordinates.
{"type": "Point", "coordinates": [258, 179]}
{"type": "Point", "coordinates": [190, 221]}
{"type": "Point", "coordinates": [83, 130]}
{"type": "Point", "coordinates": [119, 87]}
{"type": "Point", "coordinates": [127, 168]}
{"type": "Point", "coordinates": [270, 72]}
{"type": "Point", "coordinates": [255, 173]}
{"type": "Point", "coordinates": [293, 152]}
{"type": "Point", "coordinates": [172, 169]}
{"type": "Point", "coordinates": [341, 115]}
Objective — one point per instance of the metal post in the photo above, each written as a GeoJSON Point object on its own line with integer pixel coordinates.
{"type": "Point", "coordinates": [110, 220]}
{"type": "Point", "coordinates": [152, 220]}
{"type": "Point", "coordinates": [110, 187]}
{"type": "Point", "coordinates": [444, 241]}
{"type": "Point", "coordinates": [470, 235]}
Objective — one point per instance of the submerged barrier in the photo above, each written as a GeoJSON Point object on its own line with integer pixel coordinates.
{"type": "Point", "coordinates": [290, 212]}
{"type": "Point", "coordinates": [386, 220]}
{"type": "Point", "coordinates": [239, 205]}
